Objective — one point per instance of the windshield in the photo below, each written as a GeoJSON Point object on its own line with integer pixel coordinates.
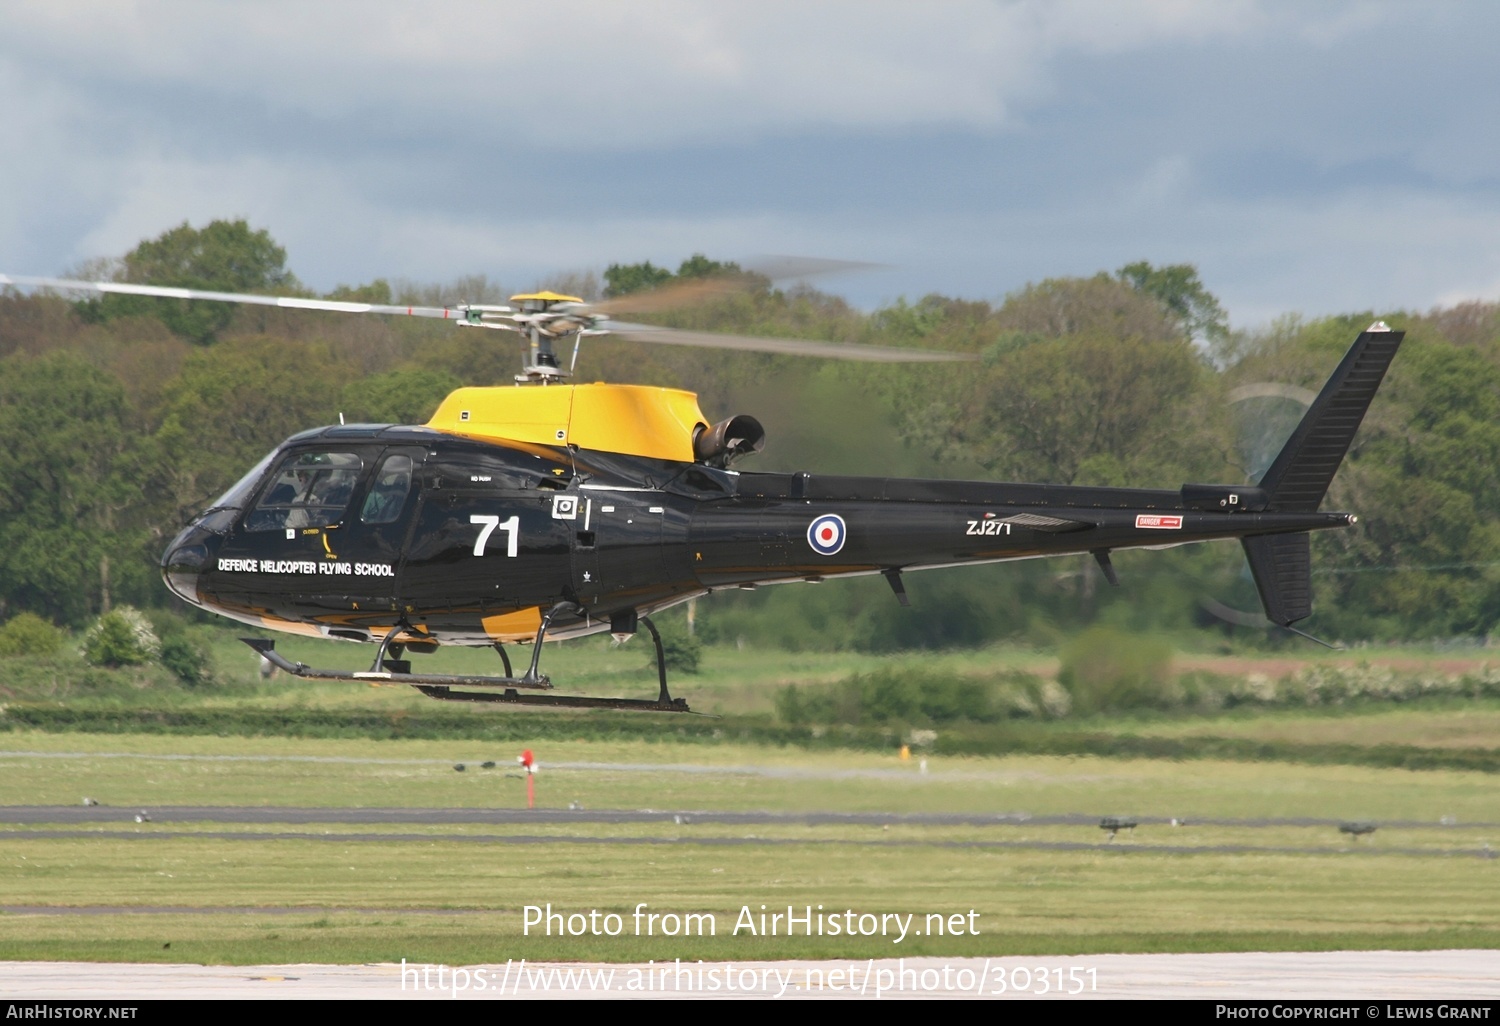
{"type": "Point", "coordinates": [239, 493]}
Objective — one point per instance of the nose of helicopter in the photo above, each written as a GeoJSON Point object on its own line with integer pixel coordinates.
{"type": "Point", "coordinates": [181, 568]}
{"type": "Point", "coordinates": [187, 559]}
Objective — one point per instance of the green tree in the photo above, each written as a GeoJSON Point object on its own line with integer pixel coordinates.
{"type": "Point", "coordinates": [700, 266]}
{"type": "Point", "coordinates": [228, 408]}
{"type": "Point", "coordinates": [1092, 408]}
{"type": "Point", "coordinates": [397, 397]}
{"type": "Point", "coordinates": [223, 256]}
{"type": "Point", "coordinates": [377, 291]}
{"type": "Point", "coordinates": [1099, 305]}
{"type": "Point", "coordinates": [1179, 290]}
{"type": "Point", "coordinates": [1426, 476]}
{"type": "Point", "coordinates": [69, 495]}
{"type": "Point", "coordinates": [623, 279]}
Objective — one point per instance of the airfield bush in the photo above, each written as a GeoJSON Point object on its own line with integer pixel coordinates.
{"type": "Point", "coordinates": [1102, 674]}
{"type": "Point", "coordinates": [27, 634]}
{"type": "Point", "coordinates": [181, 652]}
{"type": "Point", "coordinates": [1104, 669]}
{"type": "Point", "coordinates": [187, 659]}
{"type": "Point", "coordinates": [915, 697]}
{"type": "Point", "coordinates": [122, 637]}
{"type": "Point", "coordinates": [684, 653]}
{"type": "Point", "coordinates": [1318, 685]}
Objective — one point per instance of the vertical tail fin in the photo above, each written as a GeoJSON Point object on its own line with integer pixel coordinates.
{"type": "Point", "coordinates": [1299, 478]}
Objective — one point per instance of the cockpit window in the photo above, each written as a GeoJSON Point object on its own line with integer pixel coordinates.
{"type": "Point", "coordinates": [310, 489]}
{"type": "Point", "coordinates": [388, 494]}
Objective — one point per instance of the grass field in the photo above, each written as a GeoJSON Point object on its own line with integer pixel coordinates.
{"type": "Point", "coordinates": [1238, 874]}
{"type": "Point", "coordinates": [279, 893]}
{"type": "Point", "coordinates": [421, 773]}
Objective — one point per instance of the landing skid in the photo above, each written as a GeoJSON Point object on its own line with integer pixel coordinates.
{"type": "Point", "coordinates": [267, 648]}
{"type": "Point", "coordinates": [512, 697]}
{"type": "Point", "coordinates": [440, 685]}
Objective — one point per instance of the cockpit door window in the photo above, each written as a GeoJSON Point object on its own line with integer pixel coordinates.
{"type": "Point", "coordinates": [388, 493]}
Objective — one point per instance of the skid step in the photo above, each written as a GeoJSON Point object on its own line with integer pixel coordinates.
{"type": "Point", "coordinates": [267, 649]}
{"type": "Point", "coordinates": [513, 697]}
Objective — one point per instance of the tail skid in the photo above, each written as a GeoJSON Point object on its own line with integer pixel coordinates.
{"type": "Point", "coordinates": [1299, 478]}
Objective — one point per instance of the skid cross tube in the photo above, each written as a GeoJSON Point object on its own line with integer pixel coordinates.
{"type": "Point", "coordinates": [661, 661]}
{"type": "Point", "coordinates": [385, 643]}
{"type": "Point", "coordinates": [541, 633]}
{"type": "Point", "coordinates": [403, 626]}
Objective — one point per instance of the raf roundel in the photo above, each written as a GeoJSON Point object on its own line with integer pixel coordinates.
{"type": "Point", "coordinates": [826, 534]}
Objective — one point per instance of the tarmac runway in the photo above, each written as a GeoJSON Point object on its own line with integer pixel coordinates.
{"type": "Point", "coordinates": [1363, 979]}
{"type": "Point", "coordinates": [83, 814]}
{"type": "Point", "coordinates": [150, 822]}
{"type": "Point", "coordinates": [735, 842]}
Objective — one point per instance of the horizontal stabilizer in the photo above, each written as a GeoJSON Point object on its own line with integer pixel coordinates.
{"type": "Point", "coordinates": [1298, 480]}
{"type": "Point", "coordinates": [1282, 565]}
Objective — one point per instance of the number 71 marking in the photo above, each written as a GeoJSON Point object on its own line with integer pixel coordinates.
{"type": "Point", "coordinates": [511, 527]}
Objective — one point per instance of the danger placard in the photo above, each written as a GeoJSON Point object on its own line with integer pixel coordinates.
{"type": "Point", "coordinates": [1157, 522]}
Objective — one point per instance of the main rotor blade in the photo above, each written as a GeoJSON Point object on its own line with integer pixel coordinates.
{"type": "Point", "coordinates": [785, 346]}
{"type": "Point", "coordinates": [779, 267]}
{"type": "Point", "coordinates": [286, 302]}
{"type": "Point", "coordinates": [755, 275]}
{"type": "Point", "coordinates": [671, 296]}
{"type": "Point", "coordinates": [676, 294]}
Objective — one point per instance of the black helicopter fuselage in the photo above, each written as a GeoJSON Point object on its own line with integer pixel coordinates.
{"type": "Point", "coordinates": [519, 514]}
{"type": "Point", "coordinates": [485, 537]}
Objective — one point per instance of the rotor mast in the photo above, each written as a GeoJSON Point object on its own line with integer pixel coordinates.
{"type": "Point", "coordinates": [542, 318]}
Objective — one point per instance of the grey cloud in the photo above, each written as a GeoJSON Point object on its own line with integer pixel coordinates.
{"type": "Point", "coordinates": [1306, 157]}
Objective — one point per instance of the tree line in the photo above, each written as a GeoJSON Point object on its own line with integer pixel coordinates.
{"type": "Point", "coordinates": [123, 416]}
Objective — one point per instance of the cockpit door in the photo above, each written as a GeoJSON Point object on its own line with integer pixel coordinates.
{"type": "Point", "coordinates": [367, 547]}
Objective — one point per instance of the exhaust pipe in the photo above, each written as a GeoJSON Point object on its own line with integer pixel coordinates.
{"type": "Point", "coordinates": [728, 440]}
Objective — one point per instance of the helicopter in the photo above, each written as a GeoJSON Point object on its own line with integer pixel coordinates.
{"type": "Point", "coordinates": [546, 510]}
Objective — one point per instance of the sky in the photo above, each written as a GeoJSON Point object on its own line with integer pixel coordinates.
{"type": "Point", "coordinates": [1308, 158]}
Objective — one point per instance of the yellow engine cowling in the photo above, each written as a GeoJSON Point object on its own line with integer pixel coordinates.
{"type": "Point", "coordinates": [639, 420]}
